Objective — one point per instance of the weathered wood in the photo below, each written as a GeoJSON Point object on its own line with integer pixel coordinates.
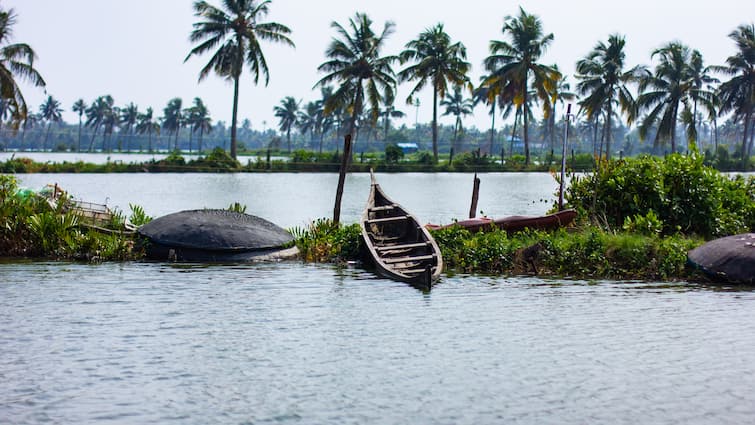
{"type": "Point", "coordinates": [405, 252]}
{"type": "Point", "coordinates": [475, 196]}
{"type": "Point", "coordinates": [388, 219]}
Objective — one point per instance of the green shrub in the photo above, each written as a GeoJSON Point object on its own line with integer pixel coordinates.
{"type": "Point", "coordinates": [686, 196]}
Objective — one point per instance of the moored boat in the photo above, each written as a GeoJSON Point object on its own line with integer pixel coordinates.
{"type": "Point", "coordinates": [397, 244]}
{"type": "Point", "coordinates": [514, 223]}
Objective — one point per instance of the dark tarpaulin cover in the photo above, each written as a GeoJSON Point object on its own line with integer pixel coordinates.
{"type": "Point", "coordinates": [731, 259]}
{"type": "Point", "coordinates": [220, 230]}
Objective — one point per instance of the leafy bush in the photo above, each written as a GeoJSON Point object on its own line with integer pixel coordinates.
{"type": "Point", "coordinates": [393, 153]}
{"type": "Point", "coordinates": [686, 196]}
{"type": "Point", "coordinates": [324, 241]}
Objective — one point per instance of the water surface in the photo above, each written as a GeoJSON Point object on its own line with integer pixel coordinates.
{"type": "Point", "coordinates": [292, 343]}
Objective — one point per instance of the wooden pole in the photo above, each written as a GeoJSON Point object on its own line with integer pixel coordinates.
{"type": "Point", "coordinates": [342, 178]}
{"type": "Point", "coordinates": [475, 196]}
{"type": "Point", "coordinates": [563, 160]}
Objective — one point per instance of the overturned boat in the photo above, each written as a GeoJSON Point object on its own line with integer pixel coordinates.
{"type": "Point", "coordinates": [216, 236]}
{"type": "Point", "coordinates": [729, 260]}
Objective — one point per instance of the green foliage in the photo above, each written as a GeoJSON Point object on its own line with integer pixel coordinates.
{"type": "Point", "coordinates": [323, 241]}
{"type": "Point", "coordinates": [237, 207]}
{"type": "Point", "coordinates": [219, 158]}
{"type": "Point", "coordinates": [174, 158]}
{"type": "Point", "coordinates": [648, 224]}
{"type": "Point", "coordinates": [686, 196]}
{"type": "Point", "coordinates": [588, 253]}
{"type": "Point", "coordinates": [393, 153]}
{"type": "Point", "coordinates": [29, 226]}
{"type": "Point", "coordinates": [138, 216]}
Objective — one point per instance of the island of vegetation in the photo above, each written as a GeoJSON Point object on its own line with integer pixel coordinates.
{"type": "Point", "coordinates": [638, 218]}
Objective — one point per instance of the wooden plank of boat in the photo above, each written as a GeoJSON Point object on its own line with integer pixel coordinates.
{"type": "Point", "coordinates": [399, 247]}
{"type": "Point", "coordinates": [514, 223]}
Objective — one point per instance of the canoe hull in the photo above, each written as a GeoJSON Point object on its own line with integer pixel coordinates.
{"type": "Point", "coordinates": [514, 223]}
{"type": "Point", "coordinates": [396, 244]}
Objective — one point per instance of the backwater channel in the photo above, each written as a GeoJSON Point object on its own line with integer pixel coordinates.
{"type": "Point", "coordinates": [141, 342]}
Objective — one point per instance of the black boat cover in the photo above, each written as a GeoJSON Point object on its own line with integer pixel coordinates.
{"type": "Point", "coordinates": [215, 230]}
{"type": "Point", "coordinates": [730, 259]}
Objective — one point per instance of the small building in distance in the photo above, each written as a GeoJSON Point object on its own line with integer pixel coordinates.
{"type": "Point", "coordinates": [408, 147]}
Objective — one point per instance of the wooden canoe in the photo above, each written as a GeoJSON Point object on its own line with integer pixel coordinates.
{"type": "Point", "coordinates": [397, 244]}
{"type": "Point", "coordinates": [514, 223]}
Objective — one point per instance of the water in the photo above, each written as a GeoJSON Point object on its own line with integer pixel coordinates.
{"type": "Point", "coordinates": [290, 343]}
{"type": "Point", "coordinates": [294, 199]}
{"type": "Point", "coordinates": [286, 343]}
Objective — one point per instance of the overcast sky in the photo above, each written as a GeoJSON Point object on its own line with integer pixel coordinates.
{"type": "Point", "coordinates": [134, 50]}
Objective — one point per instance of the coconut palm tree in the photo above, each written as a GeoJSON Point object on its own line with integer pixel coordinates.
{"type": "Point", "coordinates": [146, 123]}
{"type": "Point", "coordinates": [561, 95]}
{"type": "Point", "coordinates": [99, 114]}
{"type": "Point", "coordinates": [236, 30]}
{"type": "Point", "coordinates": [109, 124]}
{"type": "Point", "coordinates": [387, 113]}
{"type": "Point", "coordinates": [80, 108]}
{"type": "Point", "coordinates": [128, 117]}
{"type": "Point", "coordinates": [604, 84]}
{"type": "Point", "coordinates": [437, 61]}
{"type": "Point", "coordinates": [513, 64]}
{"type": "Point", "coordinates": [198, 119]}
{"type": "Point", "coordinates": [663, 91]}
{"type": "Point", "coordinates": [50, 111]}
{"type": "Point", "coordinates": [173, 118]}
{"type": "Point", "coordinates": [309, 120]}
{"type": "Point", "coordinates": [738, 93]}
{"type": "Point", "coordinates": [356, 66]}
{"type": "Point", "coordinates": [16, 62]}
{"type": "Point", "coordinates": [457, 105]}
{"type": "Point", "coordinates": [700, 92]}
{"type": "Point", "coordinates": [287, 113]}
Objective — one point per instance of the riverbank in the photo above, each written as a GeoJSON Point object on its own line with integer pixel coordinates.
{"type": "Point", "coordinates": [583, 252]}
{"type": "Point", "coordinates": [32, 228]}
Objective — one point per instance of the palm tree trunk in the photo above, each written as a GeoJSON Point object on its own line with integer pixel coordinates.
{"type": "Point", "coordinates": [234, 116]}
{"type": "Point", "coordinates": [78, 144]}
{"type": "Point", "coordinates": [513, 132]}
{"type": "Point", "coordinates": [201, 133]}
{"type": "Point", "coordinates": [435, 123]}
{"type": "Point", "coordinates": [492, 129]}
{"type": "Point", "coordinates": [745, 140]}
{"type": "Point", "coordinates": [608, 132]}
{"type": "Point", "coordinates": [47, 133]}
{"type": "Point", "coordinates": [288, 138]}
{"type": "Point", "coordinates": [91, 141]}
{"type": "Point", "coordinates": [526, 132]}
{"type": "Point", "coordinates": [673, 129]}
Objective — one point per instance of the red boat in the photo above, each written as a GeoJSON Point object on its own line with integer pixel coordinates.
{"type": "Point", "coordinates": [514, 223]}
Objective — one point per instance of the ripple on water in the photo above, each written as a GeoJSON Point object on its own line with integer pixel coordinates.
{"type": "Point", "coordinates": [286, 342]}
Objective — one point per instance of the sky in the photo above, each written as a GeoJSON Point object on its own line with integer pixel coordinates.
{"type": "Point", "coordinates": [134, 50]}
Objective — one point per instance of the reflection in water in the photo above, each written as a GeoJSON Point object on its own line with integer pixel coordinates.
{"type": "Point", "coordinates": [288, 342]}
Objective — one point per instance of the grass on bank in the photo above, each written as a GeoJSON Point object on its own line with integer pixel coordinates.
{"type": "Point", "coordinates": [584, 252]}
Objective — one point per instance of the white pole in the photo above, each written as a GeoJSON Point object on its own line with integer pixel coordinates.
{"type": "Point", "coordinates": [563, 159]}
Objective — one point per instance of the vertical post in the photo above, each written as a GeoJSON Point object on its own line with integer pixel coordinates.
{"type": "Point", "coordinates": [475, 196]}
{"type": "Point", "coordinates": [563, 159]}
{"type": "Point", "coordinates": [342, 178]}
